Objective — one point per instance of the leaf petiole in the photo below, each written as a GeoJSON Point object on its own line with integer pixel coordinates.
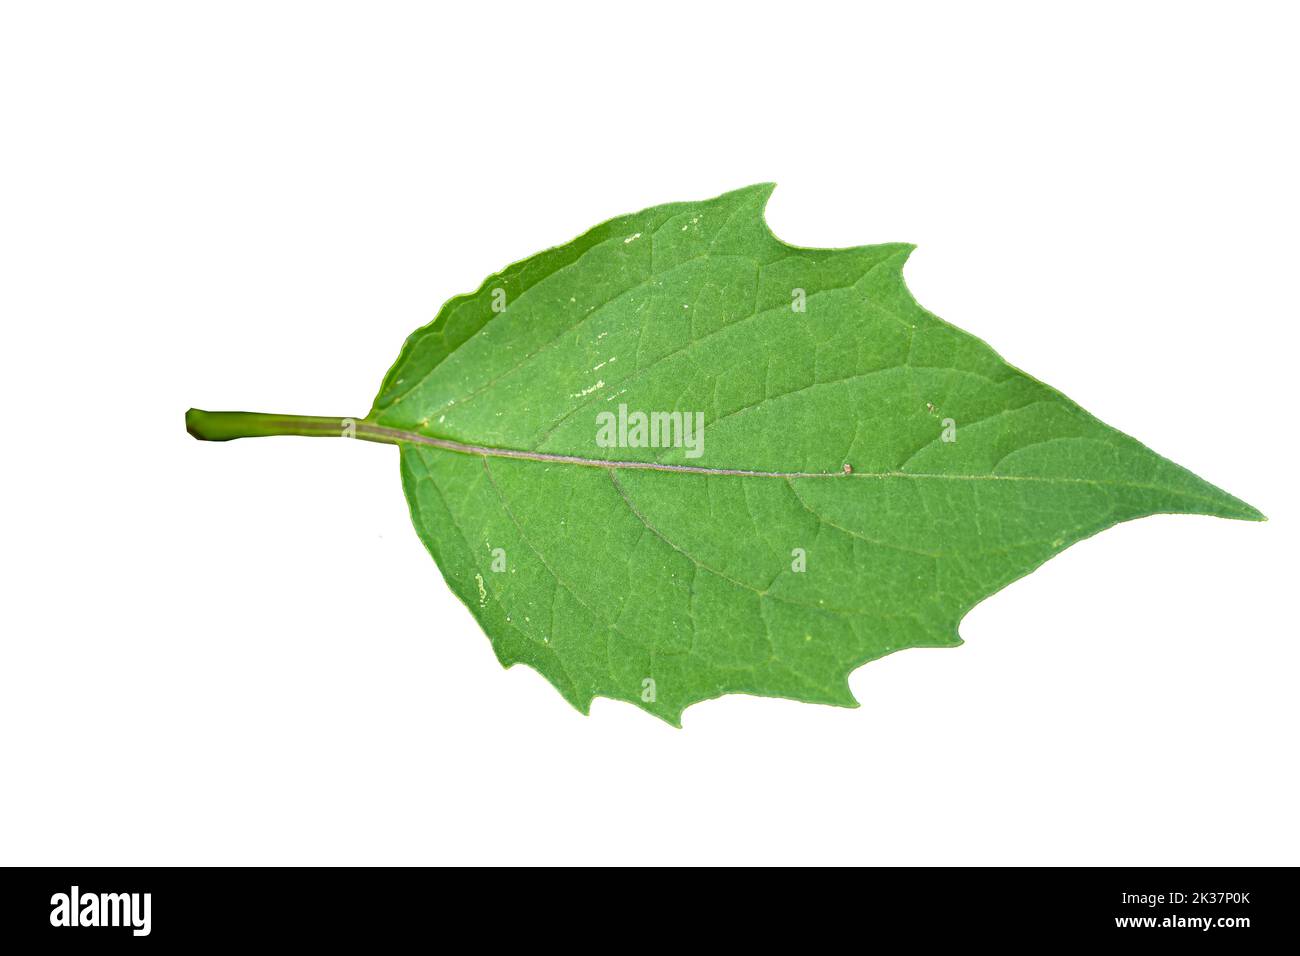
{"type": "Point", "coordinates": [224, 426]}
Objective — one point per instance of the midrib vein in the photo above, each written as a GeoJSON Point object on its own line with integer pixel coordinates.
{"type": "Point", "coordinates": [382, 433]}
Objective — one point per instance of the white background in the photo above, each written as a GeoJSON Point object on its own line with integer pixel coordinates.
{"type": "Point", "coordinates": [241, 653]}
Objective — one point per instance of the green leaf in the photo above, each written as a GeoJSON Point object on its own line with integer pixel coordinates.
{"type": "Point", "coordinates": [867, 473]}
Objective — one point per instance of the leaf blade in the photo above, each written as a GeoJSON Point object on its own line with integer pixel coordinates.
{"type": "Point", "coordinates": [615, 576]}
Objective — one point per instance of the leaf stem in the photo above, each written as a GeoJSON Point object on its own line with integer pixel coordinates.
{"type": "Point", "coordinates": [224, 426]}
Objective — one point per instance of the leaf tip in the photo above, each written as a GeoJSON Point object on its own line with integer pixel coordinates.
{"type": "Point", "coordinates": [1217, 503]}
{"type": "Point", "coordinates": [1247, 512]}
